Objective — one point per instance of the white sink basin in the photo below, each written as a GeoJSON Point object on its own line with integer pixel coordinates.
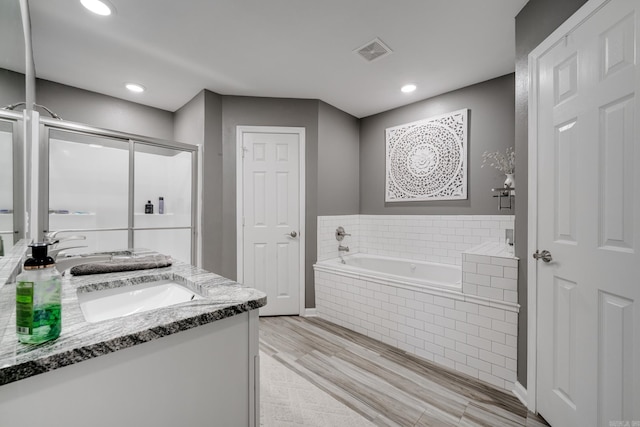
{"type": "Point", "coordinates": [127, 300]}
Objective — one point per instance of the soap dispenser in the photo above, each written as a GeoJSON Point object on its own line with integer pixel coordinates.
{"type": "Point", "coordinates": [38, 298]}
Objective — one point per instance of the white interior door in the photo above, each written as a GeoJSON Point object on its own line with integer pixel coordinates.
{"type": "Point", "coordinates": [272, 247]}
{"type": "Point", "coordinates": [588, 199]}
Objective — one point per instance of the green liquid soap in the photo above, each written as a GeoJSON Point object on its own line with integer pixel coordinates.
{"type": "Point", "coordinates": [38, 298]}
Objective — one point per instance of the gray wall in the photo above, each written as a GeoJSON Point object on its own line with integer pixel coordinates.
{"type": "Point", "coordinates": [491, 128]}
{"type": "Point", "coordinates": [252, 111]}
{"type": "Point", "coordinates": [200, 122]}
{"type": "Point", "coordinates": [213, 185]}
{"type": "Point", "coordinates": [188, 124]}
{"type": "Point", "coordinates": [107, 112]}
{"type": "Point", "coordinates": [338, 162]}
{"type": "Point", "coordinates": [12, 88]}
{"type": "Point", "coordinates": [534, 23]}
{"type": "Point", "coordinates": [90, 108]}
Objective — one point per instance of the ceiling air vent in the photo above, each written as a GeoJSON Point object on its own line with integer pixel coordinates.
{"type": "Point", "coordinates": [373, 50]}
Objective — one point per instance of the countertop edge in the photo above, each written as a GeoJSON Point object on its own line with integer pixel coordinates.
{"type": "Point", "coordinates": [41, 365]}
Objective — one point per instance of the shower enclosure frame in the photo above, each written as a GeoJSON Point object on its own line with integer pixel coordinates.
{"type": "Point", "coordinates": [47, 125]}
{"type": "Point", "coordinates": [16, 121]}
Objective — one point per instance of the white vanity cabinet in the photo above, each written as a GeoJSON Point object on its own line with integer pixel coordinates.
{"type": "Point", "coordinates": [204, 376]}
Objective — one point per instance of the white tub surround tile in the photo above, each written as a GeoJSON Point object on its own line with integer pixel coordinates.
{"type": "Point", "coordinates": [471, 334]}
{"type": "Point", "coordinates": [327, 243]}
{"type": "Point", "coordinates": [494, 249]}
{"type": "Point", "coordinates": [473, 331]}
{"type": "Point", "coordinates": [490, 270]}
{"type": "Point", "coordinates": [435, 238]}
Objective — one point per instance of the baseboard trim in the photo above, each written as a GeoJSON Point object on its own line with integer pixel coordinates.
{"type": "Point", "coordinates": [310, 312]}
{"type": "Point", "coordinates": [521, 393]}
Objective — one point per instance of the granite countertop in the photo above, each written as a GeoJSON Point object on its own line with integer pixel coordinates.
{"type": "Point", "coordinates": [81, 340]}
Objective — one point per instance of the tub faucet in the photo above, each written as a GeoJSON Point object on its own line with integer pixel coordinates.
{"type": "Point", "coordinates": [342, 249]}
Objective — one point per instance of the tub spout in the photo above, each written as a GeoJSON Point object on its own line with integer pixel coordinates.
{"type": "Point", "coordinates": [343, 248]}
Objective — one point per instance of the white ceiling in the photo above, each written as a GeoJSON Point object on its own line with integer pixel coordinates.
{"type": "Point", "coordinates": [275, 48]}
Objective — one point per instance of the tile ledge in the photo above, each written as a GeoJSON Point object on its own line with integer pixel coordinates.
{"type": "Point", "coordinates": [492, 249]}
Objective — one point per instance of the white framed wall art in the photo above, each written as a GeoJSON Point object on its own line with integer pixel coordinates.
{"type": "Point", "coordinates": [427, 159]}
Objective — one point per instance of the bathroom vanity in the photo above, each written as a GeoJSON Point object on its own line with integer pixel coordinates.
{"type": "Point", "coordinates": [194, 363]}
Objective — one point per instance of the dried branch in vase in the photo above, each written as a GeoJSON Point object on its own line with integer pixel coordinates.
{"type": "Point", "coordinates": [504, 162]}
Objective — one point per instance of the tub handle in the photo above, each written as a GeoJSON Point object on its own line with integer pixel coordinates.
{"type": "Point", "coordinates": [340, 233]}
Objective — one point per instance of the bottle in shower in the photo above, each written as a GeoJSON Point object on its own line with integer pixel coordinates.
{"type": "Point", "coordinates": [148, 208]}
{"type": "Point", "coordinates": [38, 298]}
{"type": "Point", "coordinates": [160, 205]}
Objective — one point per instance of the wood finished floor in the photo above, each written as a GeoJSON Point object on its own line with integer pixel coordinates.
{"type": "Point", "coordinates": [384, 384]}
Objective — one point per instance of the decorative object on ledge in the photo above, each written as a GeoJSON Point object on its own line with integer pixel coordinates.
{"type": "Point", "coordinates": [504, 162]}
{"type": "Point", "coordinates": [510, 180]}
{"type": "Point", "coordinates": [427, 159]}
{"type": "Point", "coordinates": [505, 193]}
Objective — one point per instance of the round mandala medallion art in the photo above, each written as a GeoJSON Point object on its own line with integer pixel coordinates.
{"type": "Point", "coordinates": [426, 160]}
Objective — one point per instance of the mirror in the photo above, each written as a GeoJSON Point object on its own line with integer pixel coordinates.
{"type": "Point", "coordinates": [12, 90]}
{"type": "Point", "coordinates": [6, 186]}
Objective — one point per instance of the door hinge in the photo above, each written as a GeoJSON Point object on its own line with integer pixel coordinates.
{"type": "Point", "coordinates": [244, 151]}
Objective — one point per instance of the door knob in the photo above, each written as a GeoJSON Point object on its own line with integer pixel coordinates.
{"type": "Point", "coordinates": [292, 234]}
{"type": "Point", "coordinates": [544, 256]}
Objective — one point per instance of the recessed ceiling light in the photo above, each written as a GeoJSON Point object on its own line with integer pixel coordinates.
{"type": "Point", "coordinates": [98, 7]}
{"type": "Point", "coordinates": [408, 88]}
{"type": "Point", "coordinates": [134, 87]}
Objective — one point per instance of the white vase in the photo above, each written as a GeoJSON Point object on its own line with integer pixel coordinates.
{"type": "Point", "coordinates": [510, 181]}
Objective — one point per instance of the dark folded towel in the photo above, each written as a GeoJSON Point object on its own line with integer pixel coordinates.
{"type": "Point", "coordinates": [129, 264]}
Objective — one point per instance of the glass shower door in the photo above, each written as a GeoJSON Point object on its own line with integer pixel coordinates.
{"type": "Point", "coordinates": [88, 190]}
{"type": "Point", "coordinates": [164, 180]}
{"type": "Point", "coordinates": [118, 192]}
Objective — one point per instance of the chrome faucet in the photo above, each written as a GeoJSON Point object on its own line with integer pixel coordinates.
{"type": "Point", "coordinates": [66, 239]}
{"type": "Point", "coordinates": [53, 241]}
{"type": "Point", "coordinates": [51, 235]}
{"type": "Point", "coordinates": [66, 260]}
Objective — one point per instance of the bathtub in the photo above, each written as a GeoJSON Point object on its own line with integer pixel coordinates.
{"type": "Point", "coordinates": [421, 308]}
{"type": "Point", "coordinates": [409, 274]}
